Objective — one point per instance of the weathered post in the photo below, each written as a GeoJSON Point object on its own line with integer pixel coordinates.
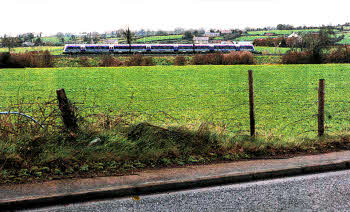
{"type": "Point", "coordinates": [251, 103]}
{"type": "Point", "coordinates": [321, 94]}
{"type": "Point", "coordinates": [67, 113]}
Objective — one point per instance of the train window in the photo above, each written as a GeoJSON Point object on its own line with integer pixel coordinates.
{"type": "Point", "coordinates": [162, 47]}
{"type": "Point", "coordinates": [201, 47]}
{"type": "Point", "coordinates": [246, 47]}
{"type": "Point", "coordinates": [73, 47]}
{"type": "Point", "coordinates": [185, 47]}
{"type": "Point", "coordinates": [138, 47]}
{"type": "Point", "coordinates": [121, 47]}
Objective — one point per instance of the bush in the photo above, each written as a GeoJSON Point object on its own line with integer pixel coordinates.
{"type": "Point", "coordinates": [339, 55]}
{"type": "Point", "coordinates": [84, 62]}
{"type": "Point", "coordinates": [208, 59]}
{"type": "Point", "coordinates": [180, 61]}
{"type": "Point", "coordinates": [293, 57]}
{"type": "Point", "coordinates": [46, 59]}
{"type": "Point", "coordinates": [235, 58]}
{"type": "Point", "coordinates": [34, 59]}
{"type": "Point", "coordinates": [232, 58]}
{"type": "Point", "coordinates": [109, 61]}
{"type": "Point", "coordinates": [8, 61]}
{"type": "Point", "coordinates": [139, 60]}
{"type": "Point", "coordinates": [147, 61]}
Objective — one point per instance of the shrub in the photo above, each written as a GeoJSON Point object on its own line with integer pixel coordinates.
{"type": "Point", "coordinates": [180, 60]}
{"type": "Point", "coordinates": [234, 58]}
{"type": "Point", "coordinates": [134, 60]}
{"type": "Point", "coordinates": [109, 61]}
{"type": "Point", "coordinates": [8, 61]}
{"type": "Point", "coordinates": [34, 59]}
{"type": "Point", "coordinates": [147, 61]}
{"type": "Point", "coordinates": [139, 60]}
{"type": "Point", "coordinates": [46, 59]}
{"type": "Point", "coordinates": [84, 61]}
{"type": "Point", "coordinates": [224, 59]}
{"type": "Point", "coordinates": [208, 59]}
{"type": "Point", "coordinates": [339, 55]}
{"type": "Point", "coordinates": [293, 57]}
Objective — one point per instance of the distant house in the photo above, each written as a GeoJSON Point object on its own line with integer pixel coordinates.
{"type": "Point", "coordinates": [212, 34]}
{"type": "Point", "coordinates": [227, 42]}
{"type": "Point", "coordinates": [201, 40]}
{"type": "Point", "coordinates": [225, 31]}
{"type": "Point", "coordinates": [294, 35]}
{"type": "Point", "coordinates": [27, 44]}
{"type": "Point", "coordinates": [111, 41]}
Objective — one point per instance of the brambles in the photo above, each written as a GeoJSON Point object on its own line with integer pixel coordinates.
{"type": "Point", "coordinates": [28, 59]}
{"type": "Point", "coordinates": [233, 58]}
{"type": "Point", "coordinates": [339, 55]}
{"type": "Point", "coordinates": [180, 61]}
{"type": "Point", "coordinates": [109, 61]}
{"type": "Point", "coordinates": [294, 57]}
{"type": "Point", "coordinates": [139, 60]}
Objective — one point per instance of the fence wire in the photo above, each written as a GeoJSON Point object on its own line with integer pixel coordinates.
{"type": "Point", "coordinates": [289, 111]}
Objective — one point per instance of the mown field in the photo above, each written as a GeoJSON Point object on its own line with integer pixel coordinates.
{"type": "Point", "coordinates": [252, 38]}
{"type": "Point", "coordinates": [54, 50]}
{"type": "Point", "coordinates": [286, 95]}
{"type": "Point", "coordinates": [272, 50]}
{"type": "Point", "coordinates": [346, 39]}
{"type": "Point", "coordinates": [159, 38]}
{"type": "Point", "coordinates": [281, 32]}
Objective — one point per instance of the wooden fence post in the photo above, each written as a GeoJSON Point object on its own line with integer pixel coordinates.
{"type": "Point", "coordinates": [67, 113]}
{"type": "Point", "coordinates": [251, 103]}
{"type": "Point", "coordinates": [320, 117]}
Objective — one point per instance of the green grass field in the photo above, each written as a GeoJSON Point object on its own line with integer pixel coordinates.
{"type": "Point", "coordinates": [158, 38]}
{"type": "Point", "coordinates": [54, 50]}
{"type": "Point", "coordinates": [54, 40]}
{"type": "Point", "coordinates": [252, 38]}
{"type": "Point", "coordinates": [346, 39]}
{"type": "Point", "coordinates": [282, 32]}
{"type": "Point", "coordinates": [271, 50]}
{"type": "Point", "coordinates": [190, 95]}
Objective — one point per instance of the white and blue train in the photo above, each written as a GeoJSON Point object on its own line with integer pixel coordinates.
{"type": "Point", "coordinates": [154, 48]}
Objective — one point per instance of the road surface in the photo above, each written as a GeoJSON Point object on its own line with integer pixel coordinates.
{"type": "Point", "coordinates": [319, 192]}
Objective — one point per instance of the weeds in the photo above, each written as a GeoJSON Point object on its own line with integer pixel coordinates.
{"type": "Point", "coordinates": [29, 152]}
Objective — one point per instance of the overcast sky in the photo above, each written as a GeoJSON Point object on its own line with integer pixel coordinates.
{"type": "Point", "coordinates": [51, 16]}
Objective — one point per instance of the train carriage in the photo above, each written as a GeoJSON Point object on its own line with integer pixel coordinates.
{"type": "Point", "coordinates": [184, 48]}
{"type": "Point", "coordinates": [201, 48]}
{"type": "Point", "coordinates": [225, 47]}
{"type": "Point", "coordinates": [97, 49]}
{"type": "Point", "coordinates": [155, 48]}
{"type": "Point", "coordinates": [162, 48]}
{"type": "Point", "coordinates": [72, 49]}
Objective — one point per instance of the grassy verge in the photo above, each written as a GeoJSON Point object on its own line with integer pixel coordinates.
{"type": "Point", "coordinates": [108, 145]}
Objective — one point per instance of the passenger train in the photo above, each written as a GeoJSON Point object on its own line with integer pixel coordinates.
{"type": "Point", "coordinates": [154, 48]}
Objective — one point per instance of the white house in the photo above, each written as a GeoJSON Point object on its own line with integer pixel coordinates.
{"type": "Point", "coordinates": [27, 44]}
{"type": "Point", "coordinates": [294, 35]}
{"type": "Point", "coordinates": [201, 40]}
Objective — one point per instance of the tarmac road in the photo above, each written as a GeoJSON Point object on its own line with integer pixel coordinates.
{"type": "Point", "coordinates": [319, 192]}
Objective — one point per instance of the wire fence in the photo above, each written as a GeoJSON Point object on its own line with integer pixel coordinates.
{"type": "Point", "coordinates": [291, 111]}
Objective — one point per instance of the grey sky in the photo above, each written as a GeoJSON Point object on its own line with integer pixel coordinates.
{"type": "Point", "coordinates": [51, 16]}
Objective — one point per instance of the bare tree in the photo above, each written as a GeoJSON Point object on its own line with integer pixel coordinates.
{"type": "Point", "coordinates": [129, 36]}
{"type": "Point", "coordinates": [11, 42]}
